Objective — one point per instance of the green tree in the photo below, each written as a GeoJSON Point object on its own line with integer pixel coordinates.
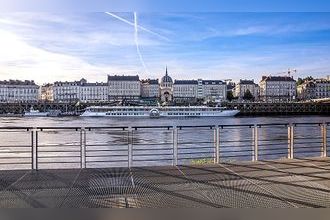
{"type": "Point", "coordinates": [299, 81]}
{"type": "Point", "coordinates": [248, 95]}
{"type": "Point", "coordinates": [230, 95]}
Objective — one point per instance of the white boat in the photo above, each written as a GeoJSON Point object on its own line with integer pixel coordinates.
{"type": "Point", "coordinates": [35, 113]}
{"type": "Point", "coordinates": [156, 112]}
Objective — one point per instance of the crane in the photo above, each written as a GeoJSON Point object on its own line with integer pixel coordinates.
{"type": "Point", "coordinates": [289, 72]}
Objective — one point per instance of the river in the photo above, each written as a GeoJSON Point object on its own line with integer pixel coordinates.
{"type": "Point", "coordinates": [107, 147]}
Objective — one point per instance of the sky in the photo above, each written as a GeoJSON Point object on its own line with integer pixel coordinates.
{"type": "Point", "coordinates": [47, 46]}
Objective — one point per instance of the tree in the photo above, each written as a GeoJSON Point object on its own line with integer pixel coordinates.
{"type": "Point", "coordinates": [248, 95]}
{"type": "Point", "coordinates": [300, 81]}
{"type": "Point", "coordinates": [230, 95]}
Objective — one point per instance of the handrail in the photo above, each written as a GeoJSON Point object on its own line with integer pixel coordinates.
{"type": "Point", "coordinates": [251, 141]}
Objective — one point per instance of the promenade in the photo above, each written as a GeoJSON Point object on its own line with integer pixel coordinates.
{"type": "Point", "coordinates": [276, 183]}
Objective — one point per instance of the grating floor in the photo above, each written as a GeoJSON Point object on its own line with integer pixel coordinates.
{"type": "Point", "coordinates": [281, 183]}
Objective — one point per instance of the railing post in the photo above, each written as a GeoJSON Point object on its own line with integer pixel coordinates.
{"type": "Point", "coordinates": [34, 145]}
{"type": "Point", "coordinates": [130, 147]}
{"type": "Point", "coordinates": [82, 148]}
{"type": "Point", "coordinates": [324, 139]}
{"type": "Point", "coordinates": [175, 146]}
{"type": "Point", "coordinates": [217, 144]}
{"type": "Point", "coordinates": [290, 141]}
{"type": "Point", "coordinates": [32, 149]}
{"type": "Point", "coordinates": [255, 142]}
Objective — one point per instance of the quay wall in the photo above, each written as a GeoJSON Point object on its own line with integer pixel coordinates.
{"type": "Point", "coordinates": [246, 109]}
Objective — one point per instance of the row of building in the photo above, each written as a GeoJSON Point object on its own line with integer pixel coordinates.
{"type": "Point", "coordinates": [131, 88]}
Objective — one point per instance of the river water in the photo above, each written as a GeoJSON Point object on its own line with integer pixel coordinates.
{"type": "Point", "coordinates": [109, 147]}
{"type": "Point", "coordinates": [88, 121]}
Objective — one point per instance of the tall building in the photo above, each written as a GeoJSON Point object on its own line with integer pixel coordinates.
{"type": "Point", "coordinates": [150, 88]}
{"type": "Point", "coordinates": [214, 90]}
{"type": "Point", "coordinates": [18, 91]}
{"type": "Point", "coordinates": [314, 89]}
{"type": "Point", "coordinates": [277, 88]}
{"type": "Point", "coordinates": [124, 88]}
{"type": "Point", "coordinates": [185, 90]}
{"type": "Point", "coordinates": [166, 88]}
{"type": "Point", "coordinates": [246, 85]}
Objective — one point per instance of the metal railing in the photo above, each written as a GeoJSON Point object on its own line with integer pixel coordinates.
{"type": "Point", "coordinates": [97, 147]}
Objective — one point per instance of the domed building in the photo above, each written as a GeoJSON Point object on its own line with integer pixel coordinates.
{"type": "Point", "coordinates": [166, 88]}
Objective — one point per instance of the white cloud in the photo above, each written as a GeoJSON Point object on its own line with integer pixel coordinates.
{"type": "Point", "coordinates": [23, 61]}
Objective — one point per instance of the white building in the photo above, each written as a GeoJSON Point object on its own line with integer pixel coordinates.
{"type": "Point", "coordinates": [191, 90]}
{"type": "Point", "coordinates": [185, 90]}
{"type": "Point", "coordinates": [18, 91]}
{"type": "Point", "coordinates": [94, 92]}
{"type": "Point", "coordinates": [246, 85]}
{"type": "Point", "coordinates": [277, 88]}
{"type": "Point", "coordinates": [214, 90]}
{"type": "Point", "coordinates": [122, 88]}
{"type": "Point", "coordinates": [80, 91]}
{"type": "Point", "coordinates": [314, 89]}
{"type": "Point", "coordinates": [67, 91]}
{"type": "Point", "coordinates": [150, 88]}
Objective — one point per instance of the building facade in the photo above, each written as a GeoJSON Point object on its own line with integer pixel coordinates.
{"type": "Point", "coordinates": [78, 91]}
{"type": "Point", "coordinates": [214, 90]}
{"type": "Point", "coordinates": [150, 88]}
{"type": "Point", "coordinates": [246, 85]}
{"type": "Point", "coordinates": [124, 88]}
{"type": "Point", "coordinates": [277, 88]}
{"type": "Point", "coordinates": [46, 93]}
{"type": "Point", "coordinates": [94, 92]}
{"type": "Point", "coordinates": [314, 89]}
{"type": "Point", "coordinates": [166, 88]}
{"type": "Point", "coordinates": [185, 90]}
{"type": "Point", "coordinates": [18, 91]}
{"type": "Point", "coordinates": [67, 91]}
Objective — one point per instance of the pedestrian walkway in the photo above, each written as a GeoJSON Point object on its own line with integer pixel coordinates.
{"type": "Point", "coordinates": [280, 183]}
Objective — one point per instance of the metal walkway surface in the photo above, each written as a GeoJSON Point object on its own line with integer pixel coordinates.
{"type": "Point", "coordinates": [281, 183]}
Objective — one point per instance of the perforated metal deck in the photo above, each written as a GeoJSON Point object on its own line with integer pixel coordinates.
{"type": "Point", "coordinates": [282, 183]}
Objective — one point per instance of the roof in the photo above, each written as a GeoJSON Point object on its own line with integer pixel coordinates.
{"type": "Point", "coordinates": [150, 81]}
{"type": "Point", "coordinates": [95, 84]}
{"type": "Point", "coordinates": [166, 78]}
{"type": "Point", "coordinates": [18, 82]}
{"type": "Point", "coordinates": [277, 78]}
{"type": "Point", "coordinates": [213, 82]}
{"type": "Point", "coordinates": [186, 82]}
{"type": "Point", "coordinates": [123, 78]}
{"type": "Point", "coordinates": [246, 82]}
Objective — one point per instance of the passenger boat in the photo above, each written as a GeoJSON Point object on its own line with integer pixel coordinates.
{"type": "Point", "coordinates": [35, 113]}
{"type": "Point", "coordinates": [156, 112]}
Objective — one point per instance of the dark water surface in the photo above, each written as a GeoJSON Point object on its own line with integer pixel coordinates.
{"type": "Point", "coordinates": [88, 121]}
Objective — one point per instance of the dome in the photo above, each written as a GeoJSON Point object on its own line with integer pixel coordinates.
{"type": "Point", "coordinates": [166, 78]}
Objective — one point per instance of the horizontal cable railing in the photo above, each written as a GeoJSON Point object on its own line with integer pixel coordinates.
{"type": "Point", "coordinates": [100, 147]}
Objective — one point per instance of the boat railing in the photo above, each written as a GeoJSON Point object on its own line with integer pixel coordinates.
{"type": "Point", "coordinates": [134, 146]}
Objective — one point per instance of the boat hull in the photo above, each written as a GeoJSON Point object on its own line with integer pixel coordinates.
{"type": "Point", "coordinates": [224, 113]}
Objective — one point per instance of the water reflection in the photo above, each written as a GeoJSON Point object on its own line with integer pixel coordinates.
{"type": "Point", "coordinates": [153, 146]}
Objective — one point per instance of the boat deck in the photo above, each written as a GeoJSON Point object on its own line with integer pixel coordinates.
{"type": "Point", "coordinates": [281, 183]}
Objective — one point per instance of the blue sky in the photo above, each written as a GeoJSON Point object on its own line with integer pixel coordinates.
{"type": "Point", "coordinates": [47, 46]}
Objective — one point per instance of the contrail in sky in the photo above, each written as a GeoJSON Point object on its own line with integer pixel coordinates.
{"type": "Point", "coordinates": [132, 24]}
{"type": "Point", "coordinates": [137, 43]}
